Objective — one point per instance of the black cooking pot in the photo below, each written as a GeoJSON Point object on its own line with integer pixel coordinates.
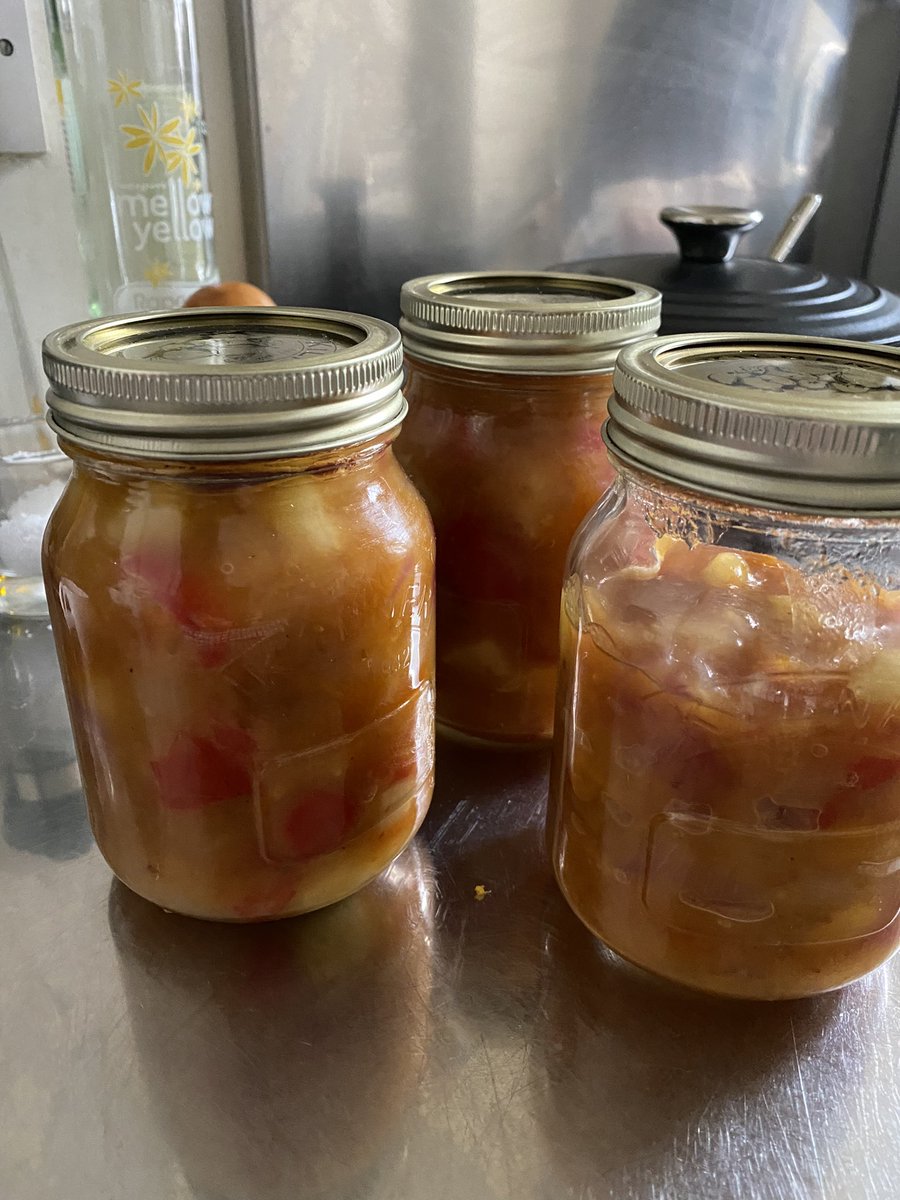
{"type": "Point", "coordinates": [707, 289]}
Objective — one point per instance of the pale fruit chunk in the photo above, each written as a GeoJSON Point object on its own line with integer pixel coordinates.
{"type": "Point", "coordinates": [726, 570]}
{"type": "Point", "coordinates": [878, 681]}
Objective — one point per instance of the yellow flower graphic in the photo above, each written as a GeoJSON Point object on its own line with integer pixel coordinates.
{"type": "Point", "coordinates": [189, 109]}
{"type": "Point", "coordinates": [181, 157]}
{"type": "Point", "coordinates": [157, 273]}
{"type": "Point", "coordinates": [124, 89]}
{"type": "Point", "coordinates": [158, 139]}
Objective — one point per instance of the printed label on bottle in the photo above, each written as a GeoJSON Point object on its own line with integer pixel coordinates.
{"type": "Point", "coordinates": [163, 215]}
{"type": "Point", "coordinates": [161, 201]}
{"type": "Point", "coordinates": [142, 297]}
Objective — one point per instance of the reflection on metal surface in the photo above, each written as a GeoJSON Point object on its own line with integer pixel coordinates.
{"type": "Point", "coordinates": [586, 1078]}
{"type": "Point", "coordinates": [673, 1090]}
{"type": "Point", "coordinates": [853, 181]}
{"type": "Point", "coordinates": [284, 1053]}
{"type": "Point", "coordinates": [43, 808]}
{"type": "Point", "coordinates": [411, 1042]}
{"type": "Point", "coordinates": [400, 138]}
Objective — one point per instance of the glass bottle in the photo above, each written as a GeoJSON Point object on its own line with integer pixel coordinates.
{"type": "Point", "coordinates": [129, 92]}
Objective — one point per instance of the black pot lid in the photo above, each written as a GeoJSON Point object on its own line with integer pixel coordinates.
{"type": "Point", "coordinates": [707, 289]}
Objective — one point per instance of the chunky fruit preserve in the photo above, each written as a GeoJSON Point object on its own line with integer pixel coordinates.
{"type": "Point", "coordinates": [508, 474]}
{"type": "Point", "coordinates": [508, 377]}
{"type": "Point", "coordinates": [729, 809]}
{"type": "Point", "coordinates": [247, 649]}
{"type": "Point", "coordinates": [725, 793]}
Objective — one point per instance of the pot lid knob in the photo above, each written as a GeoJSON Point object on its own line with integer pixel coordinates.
{"type": "Point", "coordinates": [709, 233]}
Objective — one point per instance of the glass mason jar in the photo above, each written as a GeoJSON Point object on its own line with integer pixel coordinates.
{"type": "Point", "coordinates": [508, 377]}
{"type": "Point", "coordinates": [240, 585]}
{"type": "Point", "coordinates": [725, 793]}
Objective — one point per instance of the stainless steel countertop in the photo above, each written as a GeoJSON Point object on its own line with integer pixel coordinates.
{"type": "Point", "coordinates": [412, 1042]}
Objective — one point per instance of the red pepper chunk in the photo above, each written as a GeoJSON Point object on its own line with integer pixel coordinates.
{"type": "Point", "coordinates": [872, 772]}
{"type": "Point", "coordinates": [848, 807]}
{"type": "Point", "coordinates": [195, 603]}
{"type": "Point", "coordinates": [319, 823]}
{"type": "Point", "coordinates": [201, 770]}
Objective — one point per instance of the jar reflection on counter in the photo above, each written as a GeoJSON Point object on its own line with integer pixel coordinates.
{"type": "Point", "coordinates": [305, 1041]}
{"type": "Point", "coordinates": [244, 623]}
{"type": "Point", "coordinates": [508, 377]}
{"type": "Point", "coordinates": [725, 795]}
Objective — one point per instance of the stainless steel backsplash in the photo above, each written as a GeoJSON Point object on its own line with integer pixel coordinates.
{"type": "Point", "coordinates": [398, 137]}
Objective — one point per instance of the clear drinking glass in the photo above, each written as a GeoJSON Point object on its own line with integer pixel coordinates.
{"type": "Point", "coordinates": [33, 473]}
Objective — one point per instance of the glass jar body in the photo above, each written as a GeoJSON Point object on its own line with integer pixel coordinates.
{"type": "Point", "coordinates": [509, 465]}
{"type": "Point", "coordinates": [725, 791]}
{"type": "Point", "coordinates": [247, 652]}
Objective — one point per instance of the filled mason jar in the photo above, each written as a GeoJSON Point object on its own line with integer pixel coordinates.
{"type": "Point", "coordinates": [508, 375]}
{"type": "Point", "coordinates": [240, 582]}
{"type": "Point", "coordinates": [725, 792]}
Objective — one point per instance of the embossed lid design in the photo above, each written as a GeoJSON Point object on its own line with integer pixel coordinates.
{"type": "Point", "coordinates": [806, 424]}
{"type": "Point", "coordinates": [529, 323]}
{"type": "Point", "coordinates": [224, 383]}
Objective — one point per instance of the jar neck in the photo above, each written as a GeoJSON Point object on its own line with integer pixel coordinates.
{"type": "Point", "coordinates": [465, 388]}
{"type": "Point", "coordinates": [820, 545]}
{"type": "Point", "coordinates": [323, 462]}
{"type": "Point", "coordinates": [680, 509]}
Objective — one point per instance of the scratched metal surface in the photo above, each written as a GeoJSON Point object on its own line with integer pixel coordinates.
{"type": "Point", "coordinates": [412, 1042]}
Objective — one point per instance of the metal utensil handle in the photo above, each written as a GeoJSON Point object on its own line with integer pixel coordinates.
{"type": "Point", "coordinates": [798, 219]}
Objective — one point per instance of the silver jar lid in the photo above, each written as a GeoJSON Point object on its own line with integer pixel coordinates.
{"type": "Point", "coordinates": [525, 322]}
{"type": "Point", "coordinates": [799, 423]}
{"type": "Point", "coordinates": [224, 383]}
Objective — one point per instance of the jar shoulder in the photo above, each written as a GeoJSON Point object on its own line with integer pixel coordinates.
{"type": "Point", "coordinates": [322, 513]}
